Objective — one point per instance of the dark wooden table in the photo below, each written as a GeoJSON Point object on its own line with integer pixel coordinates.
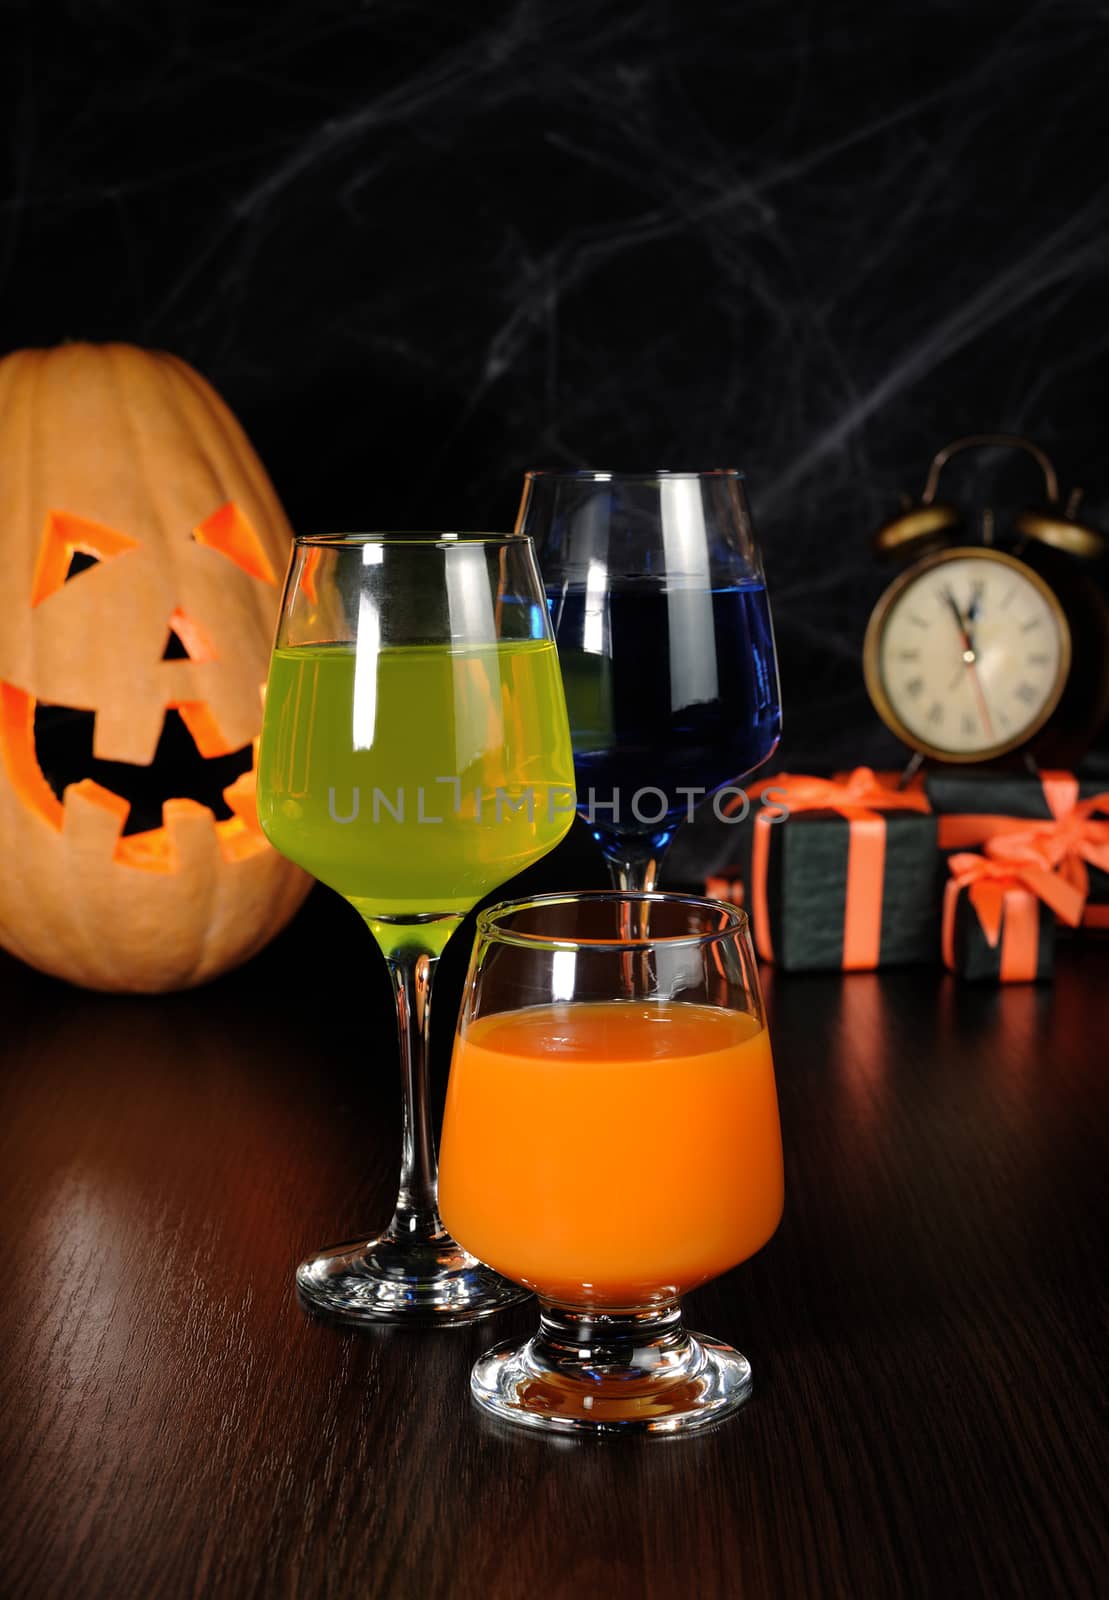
{"type": "Point", "coordinates": [924, 1327]}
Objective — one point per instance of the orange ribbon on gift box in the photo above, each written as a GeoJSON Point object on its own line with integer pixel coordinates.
{"type": "Point", "coordinates": [1004, 886]}
{"type": "Point", "coordinates": [860, 796]}
{"type": "Point", "coordinates": [1072, 839]}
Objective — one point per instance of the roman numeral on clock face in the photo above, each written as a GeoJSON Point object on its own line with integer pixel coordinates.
{"type": "Point", "coordinates": [1025, 691]}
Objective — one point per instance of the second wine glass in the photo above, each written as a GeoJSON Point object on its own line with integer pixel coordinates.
{"type": "Point", "coordinates": [658, 601]}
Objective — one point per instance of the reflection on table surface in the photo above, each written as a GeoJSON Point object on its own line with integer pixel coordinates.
{"type": "Point", "coordinates": [922, 1325]}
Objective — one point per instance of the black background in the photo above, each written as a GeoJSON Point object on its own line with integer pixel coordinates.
{"type": "Point", "coordinates": [422, 247]}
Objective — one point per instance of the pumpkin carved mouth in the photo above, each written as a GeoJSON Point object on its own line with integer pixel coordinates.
{"type": "Point", "coordinates": [64, 751]}
{"type": "Point", "coordinates": [47, 751]}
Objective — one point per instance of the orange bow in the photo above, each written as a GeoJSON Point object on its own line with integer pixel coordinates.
{"type": "Point", "coordinates": [860, 796]}
{"type": "Point", "coordinates": [1071, 821]}
{"type": "Point", "coordinates": [1070, 843]}
{"type": "Point", "coordinates": [1004, 886]}
{"type": "Point", "coordinates": [847, 791]}
{"type": "Point", "coordinates": [1071, 840]}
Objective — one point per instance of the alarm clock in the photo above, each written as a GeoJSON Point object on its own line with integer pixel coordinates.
{"type": "Point", "coordinates": [975, 652]}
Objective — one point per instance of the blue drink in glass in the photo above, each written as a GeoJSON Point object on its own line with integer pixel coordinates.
{"type": "Point", "coordinates": [660, 611]}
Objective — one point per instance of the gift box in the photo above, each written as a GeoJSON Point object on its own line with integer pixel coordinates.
{"type": "Point", "coordinates": [1065, 817]}
{"type": "Point", "coordinates": [839, 873]}
{"type": "Point", "coordinates": [999, 913]}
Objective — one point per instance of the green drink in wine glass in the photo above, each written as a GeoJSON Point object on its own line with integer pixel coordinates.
{"type": "Point", "coordinates": [415, 754]}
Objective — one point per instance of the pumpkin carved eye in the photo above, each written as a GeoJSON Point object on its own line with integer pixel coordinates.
{"type": "Point", "coordinates": [229, 531]}
{"type": "Point", "coordinates": [65, 539]}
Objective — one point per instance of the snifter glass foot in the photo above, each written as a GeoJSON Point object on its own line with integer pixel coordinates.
{"type": "Point", "coordinates": [642, 1372]}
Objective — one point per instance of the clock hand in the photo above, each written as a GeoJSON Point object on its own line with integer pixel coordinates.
{"type": "Point", "coordinates": [964, 633]}
{"type": "Point", "coordinates": [971, 623]}
{"type": "Point", "coordinates": [983, 708]}
{"type": "Point", "coordinates": [949, 596]}
{"type": "Point", "coordinates": [970, 657]}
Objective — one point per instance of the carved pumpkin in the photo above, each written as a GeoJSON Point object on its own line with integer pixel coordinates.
{"type": "Point", "coordinates": [142, 547]}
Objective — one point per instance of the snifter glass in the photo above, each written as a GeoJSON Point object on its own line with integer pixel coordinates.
{"type": "Point", "coordinates": [611, 1141]}
{"type": "Point", "coordinates": [415, 754]}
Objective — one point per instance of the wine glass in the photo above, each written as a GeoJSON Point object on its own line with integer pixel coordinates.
{"type": "Point", "coordinates": [612, 1153]}
{"type": "Point", "coordinates": [660, 611]}
{"type": "Point", "coordinates": [415, 754]}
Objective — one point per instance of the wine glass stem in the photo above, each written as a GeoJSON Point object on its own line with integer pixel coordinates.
{"type": "Point", "coordinates": [417, 1213]}
{"type": "Point", "coordinates": [633, 875]}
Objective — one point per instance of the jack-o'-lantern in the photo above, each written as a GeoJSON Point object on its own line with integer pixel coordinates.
{"type": "Point", "coordinates": [142, 547]}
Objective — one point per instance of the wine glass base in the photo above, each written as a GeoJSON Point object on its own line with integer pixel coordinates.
{"type": "Point", "coordinates": [426, 1284]}
{"type": "Point", "coordinates": [514, 1383]}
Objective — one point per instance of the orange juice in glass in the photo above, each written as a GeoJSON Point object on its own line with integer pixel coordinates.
{"type": "Point", "coordinates": [611, 1141]}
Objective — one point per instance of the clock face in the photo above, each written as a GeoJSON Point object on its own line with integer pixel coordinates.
{"type": "Point", "coordinates": [967, 654]}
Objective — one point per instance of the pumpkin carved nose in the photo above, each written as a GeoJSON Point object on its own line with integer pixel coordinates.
{"type": "Point", "coordinates": [188, 640]}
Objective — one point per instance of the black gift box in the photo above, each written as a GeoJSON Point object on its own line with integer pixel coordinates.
{"type": "Point", "coordinates": [974, 958]}
{"type": "Point", "coordinates": [806, 888]}
{"type": "Point", "coordinates": [965, 799]}
{"type": "Point", "coordinates": [980, 791]}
